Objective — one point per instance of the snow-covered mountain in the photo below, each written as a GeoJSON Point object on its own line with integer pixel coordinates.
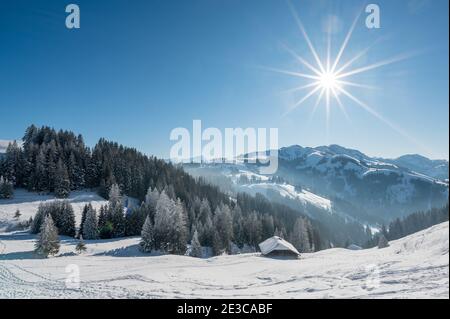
{"type": "Point", "coordinates": [418, 163]}
{"type": "Point", "coordinates": [3, 146]}
{"type": "Point", "coordinates": [380, 186]}
{"type": "Point", "coordinates": [364, 186]}
{"type": "Point", "coordinates": [437, 169]}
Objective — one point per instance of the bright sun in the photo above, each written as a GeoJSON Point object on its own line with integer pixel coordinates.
{"type": "Point", "coordinates": [328, 81]}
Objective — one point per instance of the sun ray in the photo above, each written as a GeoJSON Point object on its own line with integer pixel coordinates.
{"type": "Point", "coordinates": [307, 96]}
{"type": "Point", "coordinates": [305, 35]}
{"type": "Point", "coordinates": [329, 48]}
{"type": "Point", "coordinates": [359, 85]}
{"type": "Point", "coordinates": [330, 79]}
{"type": "Point", "coordinates": [327, 97]}
{"type": "Point", "coordinates": [358, 56]}
{"type": "Point", "coordinates": [319, 98]}
{"type": "Point", "coordinates": [375, 65]}
{"type": "Point", "coordinates": [340, 104]}
{"type": "Point", "coordinates": [301, 60]}
{"type": "Point", "coordinates": [378, 116]}
{"type": "Point", "coordinates": [297, 74]}
{"type": "Point", "coordinates": [300, 88]}
{"type": "Point", "coordinates": [346, 40]}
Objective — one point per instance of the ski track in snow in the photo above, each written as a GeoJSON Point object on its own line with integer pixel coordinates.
{"type": "Point", "coordinates": [416, 266]}
{"type": "Point", "coordinates": [412, 267]}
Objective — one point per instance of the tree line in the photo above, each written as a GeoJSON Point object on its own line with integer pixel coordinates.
{"type": "Point", "coordinates": [415, 222]}
{"type": "Point", "coordinates": [175, 205]}
{"type": "Point", "coordinates": [165, 225]}
{"type": "Point", "coordinates": [401, 227]}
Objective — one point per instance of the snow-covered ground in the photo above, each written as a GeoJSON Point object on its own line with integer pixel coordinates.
{"type": "Point", "coordinates": [27, 203]}
{"type": "Point", "coordinates": [416, 266]}
{"type": "Point", "coordinates": [289, 191]}
{"type": "Point", "coordinates": [413, 267]}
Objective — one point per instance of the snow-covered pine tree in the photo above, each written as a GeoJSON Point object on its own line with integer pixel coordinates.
{"type": "Point", "coordinates": [268, 227]}
{"type": "Point", "coordinates": [196, 248]}
{"type": "Point", "coordinates": [76, 173]}
{"type": "Point", "coordinates": [152, 197]}
{"type": "Point", "coordinates": [253, 229]}
{"type": "Point", "coordinates": [62, 182]}
{"type": "Point", "coordinates": [41, 174]}
{"type": "Point", "coordinates": [382, 242]}
{"type": "Point", "coordinates": [48, 241]}
{"type": "Point", "coordinates": [147, 243]}
{"type": "Point", "coordinates": [206, 231]}
{"type": "Point", "coordinates": [62, 215]}
{"type": "Point", "coordinates": [51, 160]}
{"type": "Point", "coordinates": [163, 222]}
{"type": "Point", "coordinates": [66, 218]}
{"type": "Point", "coordinates": [116, 212]}
{"type": "Point", "coordinates": [170, 225]}
{"type": "Point", "coordinates": [38, 219]}
{"type": "Point", "coordinates": [223, 224]}
{"type": "Point", "coordinates": [14, 164]}
{"type": "Point", "coordinates": [114, 196]}
{"type": "Point", "coordinates": [6, 188]}
{"type": "Point", "coordinates": [300, 237]}
{"type": "Point", "coordinates": [238, 227]}
{"type": "Point", "coordinates": [90, 226]}
{"type": "Point", "coordinates": [81, 246]}
{"type": "Point", "coordinates": [83, 218]}
{"type": "Point", "coordinates": [180, 230]}
{"type": "Point", "coordinates": [205, 210]}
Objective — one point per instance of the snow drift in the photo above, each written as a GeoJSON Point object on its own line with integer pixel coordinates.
{"type": "Point", "coordinates": [416, 266]}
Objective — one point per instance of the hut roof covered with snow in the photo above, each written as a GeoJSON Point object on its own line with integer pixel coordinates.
{"type": "Point", "coordinates": [277, 246]}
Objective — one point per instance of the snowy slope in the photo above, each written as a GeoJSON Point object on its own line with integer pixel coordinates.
{"type": "Point", "coordinates": [381, 189]}
{"type": "Point", "coordinates": [27, 203]}
{"type": "Point", "coordinates": [434, 168]}
{"type": "Point", "coordinates": [384, 188]}
{"type": "Point", "coordinates": [288, 191]}
{"type": "Point", "coordinates": [416, 266]}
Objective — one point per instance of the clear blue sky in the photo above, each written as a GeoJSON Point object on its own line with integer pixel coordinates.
{"type": "Point", "coordinates": [137, 69]}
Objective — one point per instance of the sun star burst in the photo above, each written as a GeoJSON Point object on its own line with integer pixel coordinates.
{"type": "Point", "coordinates": [329, 80]}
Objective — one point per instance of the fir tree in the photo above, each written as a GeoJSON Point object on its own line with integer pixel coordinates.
{"type": "Point", "coordinates": [83, 218]}
{"type": "Point", "coordinates": [6, 188]}
{"type": "Point", "coordinates": [90, 225]}
{"type": "Point", "coordinates": [81, 246]}
{"type": "Point", "coordinates": [62, 182]}
{"type": "Point", "coordinates": [170, 225]}
{"type": "Point", "coordinates": [48, 241]}
{"type": "Point", "coordinates": [196, 248]}
{"type": "Point", "coordinates": [147, 240]}
{"type": "Point", "coordinates": [300, 237]}
{"type": "Point", "coordinates": [62, 214]}
{"type": "Point", "coordinates": [224, 228]}
{"type": "Point", "coordinates": [382, 242]}
{"type": "Point", "coordinates": [38, 219]}
{"type": "Point", "coordinates": [116, 212]}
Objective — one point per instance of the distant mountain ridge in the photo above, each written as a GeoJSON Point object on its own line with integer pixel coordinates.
{"type": "Point", "coordinates": [367, 188]}
{"type": "Point", "coordinates": [438, 169]}
{"type": "Point", "coordinates": [3, 145]}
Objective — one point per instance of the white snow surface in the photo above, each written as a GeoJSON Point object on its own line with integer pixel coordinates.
{"type": "Point", "coordinates": [27, 203]}
{"type": "Point", "coordinates": [289, 191]}
{"type": "Point", "coordinates": [416, 266]}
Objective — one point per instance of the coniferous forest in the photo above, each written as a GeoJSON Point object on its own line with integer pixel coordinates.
{"type": "Point", "coordinates": [175, 205]}
{"type": "Point", "coordinates": [176, 209]}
